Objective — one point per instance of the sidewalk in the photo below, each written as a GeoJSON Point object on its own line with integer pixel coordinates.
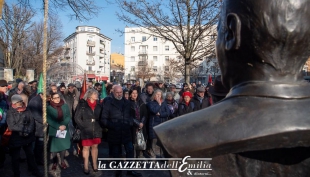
{"type": "Point", "coordinates": [75, 168]}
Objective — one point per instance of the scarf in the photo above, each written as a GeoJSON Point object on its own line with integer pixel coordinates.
{"type": "Point", "coordinates": [92, 105]}
{"type": "Point", "coordinates": [57, 106]}
{"type": "Point", "coordinates": [19, 109]}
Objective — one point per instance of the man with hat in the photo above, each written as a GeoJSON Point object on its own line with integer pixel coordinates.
{"type": "Point", "coordinates": [262, 126]}
{"type": "Point", "coordinates": [201, 100]}
{"type": "Point", "coordinates": [218, 91]}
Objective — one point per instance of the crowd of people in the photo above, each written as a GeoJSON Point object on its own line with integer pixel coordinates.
{"type": "Point", "coordinates": [116, 118]}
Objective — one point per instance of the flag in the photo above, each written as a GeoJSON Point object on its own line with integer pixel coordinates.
{"type": "Point", "coordinates": [210, 79]}
{"type": "Point", "coordinates": [84, 87]}
{"type": "Point", "coordinates": [103, 91]}
{"type": "Point", "coordinates": [40, 85]}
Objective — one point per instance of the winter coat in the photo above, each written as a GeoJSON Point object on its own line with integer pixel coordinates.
{"type": "Point", "coordinates": [184, 109]}
{"type": "Point", "coordinates": [173, 107]}
{"type": "Point", "coordinates": [35, 106]}
{"type": "Point", "coordinates": [204, 104]}
{"type": "Point", "coordinates": [71, 99]}
{"type": "Point", "coordinates": [87, 120]}
{"type": "Point", "coordinates": [22, 126]}
{"type": "Point", "coordinates": [154, 119]}
{"type": "Point", "coordinates": [145, 97]}
{"type": "Point", "coordinates": [116, 117]}
{"type": "Point", "coordinates": [58, 144]}
{"type": "Point", "coordinates": [143, 112]}
{"type": "Point", "coordinates": [4, 106]}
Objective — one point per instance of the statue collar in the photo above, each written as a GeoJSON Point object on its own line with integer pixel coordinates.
{"type": "Point", "coordinates": [298, 90]}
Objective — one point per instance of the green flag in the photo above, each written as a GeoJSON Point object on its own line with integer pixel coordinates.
{"type": "Point", "coordinates": [103, 91]}
{"type": "Point", "coordinates": [40, 85]}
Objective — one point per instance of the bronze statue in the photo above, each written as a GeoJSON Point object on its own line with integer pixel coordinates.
{"type": "Point", "coordinates": [262, 127]}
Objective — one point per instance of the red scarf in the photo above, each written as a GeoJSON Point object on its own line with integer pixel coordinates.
{"type": "Point", "coordinates": [19, 109]}
{"type": "Point", "coordinates": [92, 105]}
{"type": "Point", "coordinates": [57, 106]}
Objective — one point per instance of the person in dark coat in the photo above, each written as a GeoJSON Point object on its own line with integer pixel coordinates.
{"type": "Point", "coordinates": [58, 118]}
{"type": "Point", "coordinates": [4, 106]}
{"type": "Point", "coordinates": [35, 106]}
{"type": "Point", "coordinates": [146, 97]}
{"type": "Point", "coordinates": [200, 100]}
{"type": "Point", "coordinates": [172, 104]}
{"type": "Point", "coordinates": [139, 110]}
{"type": "Point", "coordinates": [137, 87]}
{"type": "Point", "coordinates": [71, 96]}
{"type": "Point", "coordinates": [186, 106]}
{"type": "Point", "coordinates": [158, 113]}
{"type": "Point", "coordinates": [87, 118]}
{"type": "Point", "coordinates": [21, 123]}
{"type": "Point", "coordinates": [116, 117]}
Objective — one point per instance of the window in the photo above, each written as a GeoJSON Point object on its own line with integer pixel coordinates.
{"type": "Point", "coordinates": [90, 29]}
{"type": "Point", "coordinates": [132, 68]}
{"type": "Point", "coordinates": [132, 48]}
{"type": "Point", "coordinates": [167, 48]}
{"type": "Point", "coordinates": [90, 68]}
{"type": "Point", "coordinates": [132, 58]}
{"type": "Point", "coordinates": [91, 38]}
{"type": "Point", "coordinates": [82, 29]}
{"type": "Point", "coordinates": [143, 38]}
{"type": "Point", "coordinates": [90, 49]}
{"type": "Point", "coordinates": [166, 58]}
{"type": "Point", "coordinates": [132, 39]}
{"type": "Point", "coordinates": [154, 38]}
{"type": "Point", "coordinates": [166, 68]}
{"type": "Point", "coordinates": [154, 48]}
{"type": "Point", "coordinates": [154, 58]}
{"type": "Point", "coordinates": [155, 68]}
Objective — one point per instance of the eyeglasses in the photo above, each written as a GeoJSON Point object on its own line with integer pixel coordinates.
{"type": "Point", "coordinates": [4, 86]}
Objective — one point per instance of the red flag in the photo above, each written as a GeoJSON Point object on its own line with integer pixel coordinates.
{"type": "Point", "coordinates": [210, 79]}
{"type": "Point", "coordinates": [84, 87]}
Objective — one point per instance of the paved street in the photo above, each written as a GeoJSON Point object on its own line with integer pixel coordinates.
{"type": "Point", "coordinates": [75, 167]}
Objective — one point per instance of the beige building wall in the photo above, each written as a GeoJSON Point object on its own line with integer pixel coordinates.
{"type": "Point", "coordinates": [117, 59]}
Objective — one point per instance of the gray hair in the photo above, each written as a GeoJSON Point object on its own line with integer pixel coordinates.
{"type": "Point", "coordinates": [155, 92]}
{"type": "Point", "coordinates": [169, 94]}
{"type": "Point", "coordinates": [89, 92]}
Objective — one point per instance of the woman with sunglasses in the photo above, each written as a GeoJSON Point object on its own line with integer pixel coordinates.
{"type": "Point", "coordinates": [58, 117]}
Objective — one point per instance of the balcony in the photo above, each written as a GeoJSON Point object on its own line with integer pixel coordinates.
{"type": "Point", "coordinates": [90, 72]}
{"type": "Point", "coordinates": [66, 47]}
{"type": "Point", "coordinates": [91, 43]}
{"type": "Point", "coordinates": [90, 53]}
{"type": "Point", "coordinates": [67, 56]}
{"type": "Point", "coordinates": [101, 63]}
{"type": "Point", "coordinates": [142, 63]}
{"type": "Point", "coordinates": [90, 62]}
{"type": "Point", "coordinates": [143, 52]}
{"type": "Point", "coordinates": [102, 53]}
{"type": "Point", "coordinates": [102, 42]}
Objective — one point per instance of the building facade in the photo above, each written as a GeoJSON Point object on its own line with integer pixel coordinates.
{"type": "Point", "coordinates": [117, 68]}
{"type": "Point", "coordinates": [91, 50]}
{"type": "Point", "coordinates": [145, 50]}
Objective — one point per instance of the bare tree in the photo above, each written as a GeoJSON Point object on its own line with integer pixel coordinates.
{"type": "Point", "coordinates": [34, 56]}
{"type": "Point", "coordinates": [172, 70]}
{"type": "Point", "coordinates": [145, 71]}
{"type": "Point", "coordinates": [188, 24]}
{"type": "Point", "coordinates": [14, 26]}
{"type": "Point", "coordinates": [82, 9]}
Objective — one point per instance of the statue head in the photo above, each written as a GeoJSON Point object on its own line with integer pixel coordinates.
{"type": "Point", "coordinates": [263, 40]}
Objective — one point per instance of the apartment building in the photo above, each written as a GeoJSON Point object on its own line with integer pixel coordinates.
{"type": "Point", "coordinates": [91, 50]}
{"type": "Point", "coordinates": [142, 49]}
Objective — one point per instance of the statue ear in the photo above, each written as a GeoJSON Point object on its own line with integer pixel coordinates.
{"type": "Point", "coordinates": [232, 35]}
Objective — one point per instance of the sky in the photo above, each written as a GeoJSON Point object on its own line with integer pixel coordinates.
{"type": "Point", "coordinates": [106, 20]}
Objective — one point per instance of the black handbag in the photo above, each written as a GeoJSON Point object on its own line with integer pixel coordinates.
{"type": "Point", "coordinates": [76, 137]}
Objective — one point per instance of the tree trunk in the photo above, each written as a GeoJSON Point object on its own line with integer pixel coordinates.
{"type": "Point", "coordinates": [187, 71]}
